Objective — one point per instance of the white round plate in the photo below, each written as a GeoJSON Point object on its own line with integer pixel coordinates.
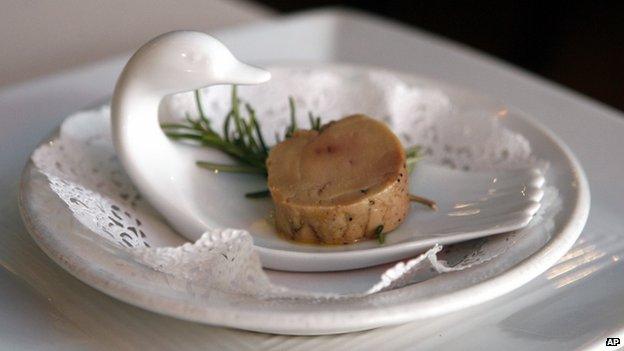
{"type": "Point", "coordinates": [100, 264]}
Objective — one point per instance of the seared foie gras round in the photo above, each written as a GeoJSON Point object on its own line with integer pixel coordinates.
{"type": "Point", "coordinates": [338, 185]}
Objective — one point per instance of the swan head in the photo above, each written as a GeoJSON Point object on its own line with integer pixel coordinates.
{"type": "Point", "coordinates": [187, 60]}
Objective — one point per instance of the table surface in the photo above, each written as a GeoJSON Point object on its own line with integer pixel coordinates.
{"type": "Point", "coordinates": [42, 37]}
{"type": "Point", "coordinates": [43, 307]}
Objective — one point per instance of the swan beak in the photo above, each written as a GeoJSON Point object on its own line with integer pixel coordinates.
{"type": "Point", "coordinates": [241, 73]}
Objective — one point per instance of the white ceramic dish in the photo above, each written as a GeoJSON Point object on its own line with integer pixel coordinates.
{"type": "Point", "coordinates": [471, 205]}
{"type": "Point", "coordinates": [103, 266]}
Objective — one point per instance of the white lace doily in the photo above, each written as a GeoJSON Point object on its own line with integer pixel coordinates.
{"type": "Point", "coordinates": [83, 170]}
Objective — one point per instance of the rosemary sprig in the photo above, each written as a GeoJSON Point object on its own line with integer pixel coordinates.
{"type": "Point", "coordinates": [241, 138]}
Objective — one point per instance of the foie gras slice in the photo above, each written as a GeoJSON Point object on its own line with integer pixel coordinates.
{"type": "Point", "coordinates": [337, 186]}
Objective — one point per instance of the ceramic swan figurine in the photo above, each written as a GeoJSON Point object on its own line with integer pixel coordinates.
{"type": "Point", "coordinates": [171, 63]}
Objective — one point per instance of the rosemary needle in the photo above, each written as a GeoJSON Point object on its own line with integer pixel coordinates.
{"type": "Point", "coordinates": [381, 237]}
{"type": "Point", "coordinates": [412, 155]}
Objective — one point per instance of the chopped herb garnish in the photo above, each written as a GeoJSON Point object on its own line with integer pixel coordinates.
{"type": "Point", "coordinates": [381, 237]}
